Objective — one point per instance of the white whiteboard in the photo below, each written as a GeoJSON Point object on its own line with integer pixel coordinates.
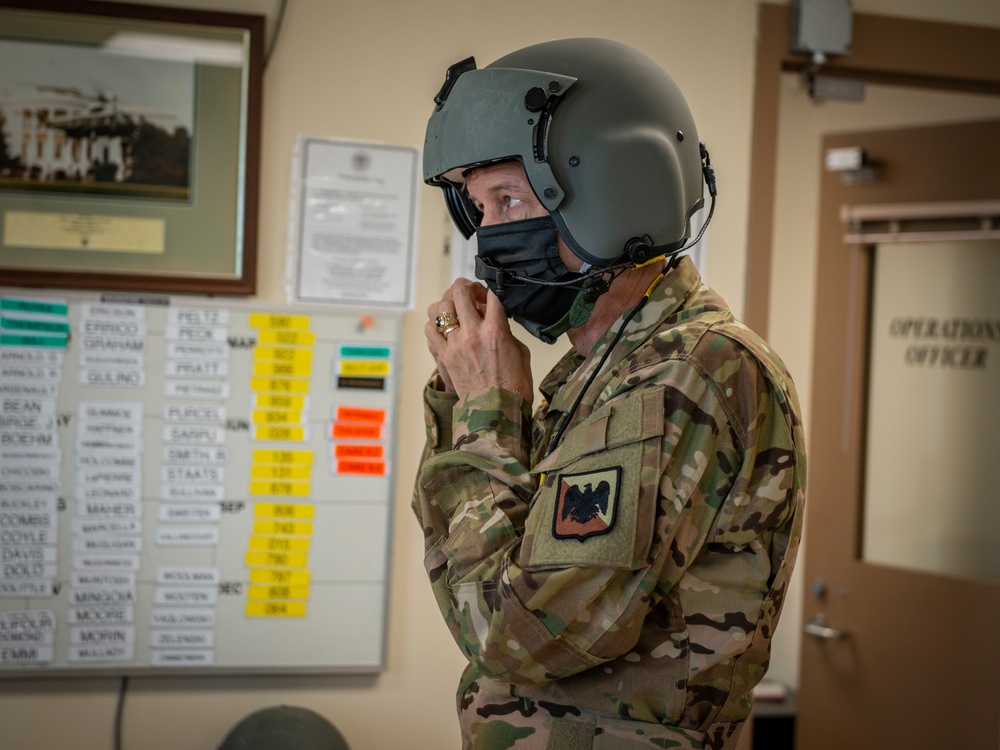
{"type": "Point", "coordinates": [191, 486]}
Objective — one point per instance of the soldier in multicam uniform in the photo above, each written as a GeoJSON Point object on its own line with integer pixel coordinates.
{"type": "Point", "coordinates": [613, 566]}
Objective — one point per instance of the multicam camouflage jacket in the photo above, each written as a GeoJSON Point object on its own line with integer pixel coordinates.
{"type": "Point", "coordinates": [620, 589]}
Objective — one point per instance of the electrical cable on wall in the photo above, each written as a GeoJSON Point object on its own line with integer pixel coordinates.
{"type": "Point", "coordinates": [277, 30]}
{"type": "Point", "coordinates": [119, 711]}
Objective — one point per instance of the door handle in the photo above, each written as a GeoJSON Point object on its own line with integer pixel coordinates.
{"type": "Point", "coordinates": [818, 627]}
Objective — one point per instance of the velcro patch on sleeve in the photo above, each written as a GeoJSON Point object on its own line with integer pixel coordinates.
{"type": "Point", "coordinates": [586, 504]}
{"type": "Point", "coordinates": [597, 498]}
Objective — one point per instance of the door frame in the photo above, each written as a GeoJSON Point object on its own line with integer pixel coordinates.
{"type": "Point", "coordinates": [885, 49]}
{"type": "Point", "coordinates": [892, 50]}
{"type": "Point", "coordinates": [888, 643]}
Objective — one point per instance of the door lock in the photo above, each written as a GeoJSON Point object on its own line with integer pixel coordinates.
{"type": "Point", "coordinates": [818, 588]}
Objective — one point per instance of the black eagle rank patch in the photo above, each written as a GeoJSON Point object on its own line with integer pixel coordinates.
{"type": "Point", "coordinates": [586, 504]}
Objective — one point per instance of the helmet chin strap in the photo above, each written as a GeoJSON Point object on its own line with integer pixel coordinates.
{"type": "Point", "coordinates": [578, 313]}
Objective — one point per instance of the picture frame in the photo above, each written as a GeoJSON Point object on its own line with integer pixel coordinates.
{"type": "Point", "coordinates": [129, 147]}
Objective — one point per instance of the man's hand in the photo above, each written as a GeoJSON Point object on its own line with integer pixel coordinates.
{"type": "Point", "coordinates": [482, 351]}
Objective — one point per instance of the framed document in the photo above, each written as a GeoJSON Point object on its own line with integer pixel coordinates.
{"type": "Point", "coordinates": [129, 146]}
{"type": "Point", "coordinates": [355, 241]}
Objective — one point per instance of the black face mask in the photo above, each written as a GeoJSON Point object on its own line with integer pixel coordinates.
{"type": "Point", "coordinates": [513, 253]}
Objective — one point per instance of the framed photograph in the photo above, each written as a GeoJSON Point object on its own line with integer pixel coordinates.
{"type": "Point", "coordinates": [129, 147]}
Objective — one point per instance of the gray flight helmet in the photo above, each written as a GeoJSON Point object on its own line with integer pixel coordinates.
{"type": "Point", "coordinates": [604, 133]}
{"type": "Point", "coordinates": [284, 728]}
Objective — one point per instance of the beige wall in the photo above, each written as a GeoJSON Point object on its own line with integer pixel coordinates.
{"type": "Point", "coordinates": [367, 69]}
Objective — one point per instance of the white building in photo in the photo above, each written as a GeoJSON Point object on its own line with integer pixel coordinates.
{"type": "Point", "coordinates": [60, 134]}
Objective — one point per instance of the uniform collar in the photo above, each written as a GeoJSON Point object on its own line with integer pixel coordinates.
{"type": "Point", "coordinates": [681, 282]}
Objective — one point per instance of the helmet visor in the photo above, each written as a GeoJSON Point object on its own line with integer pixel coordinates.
{"type": "Point", "coordinates": [485, 119]}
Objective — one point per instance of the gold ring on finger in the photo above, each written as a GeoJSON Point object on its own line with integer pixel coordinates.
{"type": "Point", "coordinates": [446, 322]}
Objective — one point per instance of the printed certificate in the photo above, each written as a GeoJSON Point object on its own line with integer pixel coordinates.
{"type": "Point", "coordinates": [357, 207]}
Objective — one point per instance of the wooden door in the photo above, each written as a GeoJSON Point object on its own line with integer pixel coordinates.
{"type": "Point", "coordinates": [893, 656]}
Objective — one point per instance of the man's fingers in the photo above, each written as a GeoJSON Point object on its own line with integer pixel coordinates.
{"type": "Point", "coordinates": [434, 338]}
{"type": "Point", "coordinates": [480, 294]}
{"type": "Point", "coordinates": [495, 313]}
{"type": "Point", "coordinates": [466, 306]}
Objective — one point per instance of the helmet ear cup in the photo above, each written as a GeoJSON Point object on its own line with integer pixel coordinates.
{"type": "Point", "coordinates": [639, 249]}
